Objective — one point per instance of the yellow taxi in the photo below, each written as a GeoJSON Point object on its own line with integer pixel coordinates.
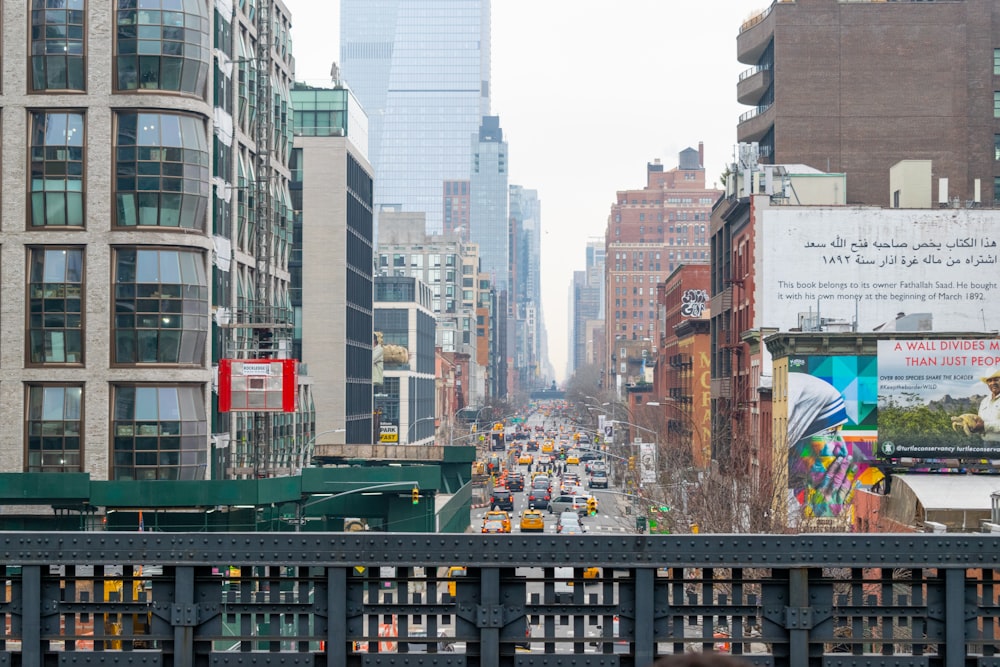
{"type": "Point", "coordinates": [454, 571]}
{"type": "Point", "coordinates": [498, 515]}
{"type": "Point", "coordinates": [532, 521]}
{"type": "Point", "coordinates": [572, 459]}
{"type": "Point", "coordinates": [592, 573]}
{"type": "Point", "coordinates": [548, 446]}
{"type": "Point", "coordinates": [525, 459]}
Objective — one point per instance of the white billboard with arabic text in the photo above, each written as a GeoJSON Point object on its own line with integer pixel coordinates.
{"type": "Point", "coordinates": [874, 269]}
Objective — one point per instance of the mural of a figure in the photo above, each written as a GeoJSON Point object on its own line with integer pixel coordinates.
{"type": "Point", "coordinates": [825, 461]}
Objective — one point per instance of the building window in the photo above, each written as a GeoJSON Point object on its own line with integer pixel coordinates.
{"type": "Point", "coordinates": [57, 57]}
{"type": "Point", "coordinates": [57, 140]}
{"type": "Point", "coordinates": [996, 146]}
{"type": "Point", "coordinates": [54, 428]}
{"type": "Point", "coordinates": [996, 188]}
{"type": "Point", "coordinates": [162, 45]}
{"type": "Point", "coordinates": [55, 303]}
{"type": "Point", "coordinates": [996, 104]}
{"type": "Point", "coordinates": [996, 62]}
{"type": "Point", "coordinates": [159, 433]}
{"type": "Point", "coordinates": [161, 307]}
{"type": "Point", "coordinates": [161, 171]}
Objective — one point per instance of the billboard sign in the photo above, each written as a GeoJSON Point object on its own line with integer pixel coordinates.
{"type": "Point", "coordinates": [939, 399]}
{"type": "Point", "coordinates": [869, 269]}
{"type": "Point", "coordinates": [832, 419]}
{"type": "Point", "coordinates": [647, 462]}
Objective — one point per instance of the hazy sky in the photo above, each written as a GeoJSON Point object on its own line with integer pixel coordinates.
{"type": "Point", "coordinates": [588, 92]}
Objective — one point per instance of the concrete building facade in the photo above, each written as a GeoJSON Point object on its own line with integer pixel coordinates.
{"type": "Point", "coordinates": [332, 198]}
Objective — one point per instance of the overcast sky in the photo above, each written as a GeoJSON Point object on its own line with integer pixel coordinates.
{"type": "Point", "coordinates": [588, 92]}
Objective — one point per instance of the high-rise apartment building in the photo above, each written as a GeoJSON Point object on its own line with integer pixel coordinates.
{"type": "Point", "coordinates": [332, 261]}
{"type": "Point", "coordinates": [855, 87]}
{"type": "Point", "coordinates": [421, 70]}
{"type": "Point", "coordinates": [651, 231]}
{"type": "Point", "coordinates": [138, 250]}
{"type": "Point", "coordinates": [489, 200]}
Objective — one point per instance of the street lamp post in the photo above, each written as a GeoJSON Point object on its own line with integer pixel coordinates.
{"type": "Point", "coordinates": [301, 505]}
{"type": "Point", "coordinates": [409, 431]}
{"type": "Point", "coordinates": [312, 440]}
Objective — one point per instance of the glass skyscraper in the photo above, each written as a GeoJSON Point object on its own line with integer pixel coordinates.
{"type": "Point", "coordinates": [421, 70]}
{"type": "Point", "coordinates": [488, 208]}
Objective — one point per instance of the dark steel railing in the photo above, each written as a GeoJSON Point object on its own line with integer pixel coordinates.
{"type": "Point", "coordinates": [335, 599]}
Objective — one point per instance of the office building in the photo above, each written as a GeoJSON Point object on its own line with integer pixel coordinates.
{"type": "Point", "coordinates": [448, 266]}
{"type": "Point", "coordinates": [332, 262]}
{"type": "Point", "coordinates": [490, 226]}
{"type": "Point", "coordinates": [405, 321]}
{"type": "Point", "coordinates": [526, 279]}
{"type": "Point", "coordinates": [855, 87]}
{"type": "Point", "coordinates": [421, 69]}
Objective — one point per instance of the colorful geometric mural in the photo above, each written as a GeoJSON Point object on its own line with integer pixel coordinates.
{"type": "Point", "coordinates": [832, 428]}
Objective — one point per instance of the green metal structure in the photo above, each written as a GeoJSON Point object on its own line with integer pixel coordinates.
{"type": "Point", "coordinates": [357, 494]}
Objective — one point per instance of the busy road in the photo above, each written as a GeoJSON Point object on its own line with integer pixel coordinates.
{"type": "Point", "coordinates": [549, 449]}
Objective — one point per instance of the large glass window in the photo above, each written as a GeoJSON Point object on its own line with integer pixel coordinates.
{"type": "Point", "coordinates": [161, 307]}
{"type": "Point", "coordinates": [55, 303]}
{"type": "Point", "coordinates": [161, 171]}
{"type": "Point", "coordinates": [57, 140]}
{"type": "Point", "coordinates": [163, 45]}
{"type": "Point", "coordinates": [159, 433]}
{"type": "Point", "coordinates": [57, 55]}
{"type": "Point", "coordinates": [54, 428]}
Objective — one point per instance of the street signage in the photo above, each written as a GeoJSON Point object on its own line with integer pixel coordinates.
{"type": "Point", "coordinates": [388, 433]}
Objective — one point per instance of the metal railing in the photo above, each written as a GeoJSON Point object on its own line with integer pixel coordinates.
{"type": "Point", "coordinates": [184, 599]}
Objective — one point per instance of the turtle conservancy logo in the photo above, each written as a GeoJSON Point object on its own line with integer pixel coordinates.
{"type": "Point", "coordinates": [888, 448]}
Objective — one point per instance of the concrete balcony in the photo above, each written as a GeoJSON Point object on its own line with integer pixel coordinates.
{"type": "Point", "coordinates": [755, 34]}
{"type": "Point", "coordinates": [752, 85]}
{"type": "Point", "coordinates": [754, 124]}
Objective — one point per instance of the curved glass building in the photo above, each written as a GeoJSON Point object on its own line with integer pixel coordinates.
{"type": "Point", "coordinates": [129, 248]}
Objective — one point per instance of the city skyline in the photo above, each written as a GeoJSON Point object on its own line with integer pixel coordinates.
{"type": "Point", "coordinates": [577, 158]}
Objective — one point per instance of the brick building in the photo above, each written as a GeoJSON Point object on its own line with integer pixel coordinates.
{"type": "Point", "coordinates": [855, 87]}
{"type": "Point", "coordinates": [651, 231]}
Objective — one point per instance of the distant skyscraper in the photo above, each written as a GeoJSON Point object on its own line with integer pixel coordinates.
{"type": "Point", "coordinates": [421, 69]}
{"type": "Point", "coordinates": [488, 210]}
{"type": "Point", "coordinates": [525, 259]}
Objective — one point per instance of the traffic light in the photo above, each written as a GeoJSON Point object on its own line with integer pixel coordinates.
{"type": "Point", "coordinates": [631, 463]}
{"type": "Point", "coordinates": [592, 506]}
{"type": "Point", "coordinates": [415, 495]}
